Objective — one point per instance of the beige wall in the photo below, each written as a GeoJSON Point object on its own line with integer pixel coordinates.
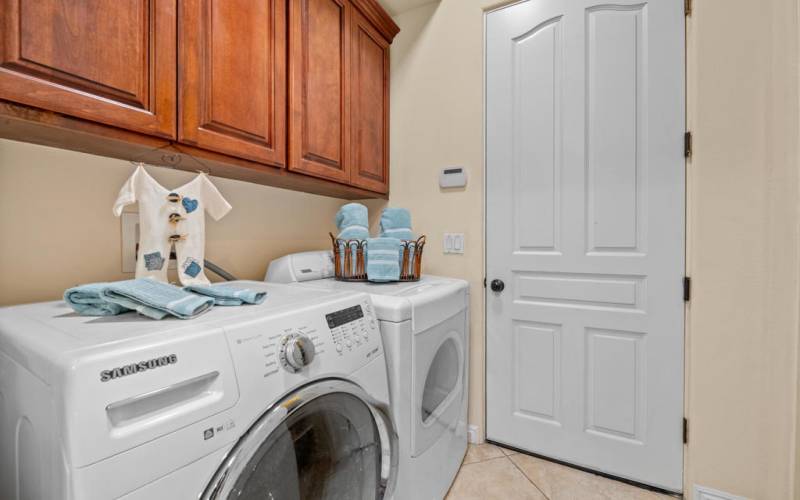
{"type": "Point", "coordinates": [742, 327]}
{"type": "Point", "coordinates": [437, 121]}
{"type": "Point", "coordinates": [57, 229]}
{"type": "Point", "coordinates": [743, 246]}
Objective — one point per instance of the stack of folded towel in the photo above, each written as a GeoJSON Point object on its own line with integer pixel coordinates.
{"type": "Point", "coordinates": [384, 258]}
{"type": "Point", "coordinates": [154, 299]}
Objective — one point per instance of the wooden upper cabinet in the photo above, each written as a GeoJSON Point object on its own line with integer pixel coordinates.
{"type": "Point", "coordinates": [110, 62]}
{"type": "Point", "coordinates": [318, 88]}
{"type": "Point", "coordinates": [232, 77]}
{"type": "Point", "coordinates": [369, 106]}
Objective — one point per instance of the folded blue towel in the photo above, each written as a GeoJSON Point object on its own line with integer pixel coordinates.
{"type": "Point", "coordinates": [155, 299]}
{"type": "Point", "coordinates": [396, 223]}
{"type": "Point", "coordinates": [353, 222]}
{"type": "Point", "coordinates": [383, 259]}
{"type": "Point", "coordinates": [87, 300]}
{"type": "Point", "coordinates": [227, 295]}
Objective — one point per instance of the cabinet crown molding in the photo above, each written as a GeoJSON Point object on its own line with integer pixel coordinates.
{"type": "Point", "coordinates": [383, 22]}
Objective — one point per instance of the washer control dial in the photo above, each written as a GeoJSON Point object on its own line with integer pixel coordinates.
{"type": "Point", "coordinates": [296, 352]}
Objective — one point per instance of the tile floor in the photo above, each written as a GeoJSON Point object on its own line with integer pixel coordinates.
{"type": "Point", "coordinates": [490, 472]}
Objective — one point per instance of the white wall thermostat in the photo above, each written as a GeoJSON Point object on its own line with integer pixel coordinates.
{"type": "Point", "coordinates": [451, 177]}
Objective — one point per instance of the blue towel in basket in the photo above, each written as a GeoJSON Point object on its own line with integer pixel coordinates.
{"type": "Point", "coordinates": [227, 295]}
{"type": "Point", "coordinates": [396, 223]}
{"type": "Point", "coordinates": [155, 299]}
{"type": "Point", "coordinates": [352, 220]}
{"type": "Point", "coordinates": [383, 259]}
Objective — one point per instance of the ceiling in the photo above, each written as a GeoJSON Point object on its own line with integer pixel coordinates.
{"type": "Point", "coordinates": [395, 7]}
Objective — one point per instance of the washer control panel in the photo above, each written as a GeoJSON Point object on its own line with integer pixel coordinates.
{"type": "Point", "coordinates": [337, 335]}
{"type": "Point", "coordinates": [350, 327]}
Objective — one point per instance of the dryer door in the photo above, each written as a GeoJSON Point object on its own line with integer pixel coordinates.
{"type": "Point", "coordinates": [439, 381]}
{"type": "Point", "coordinates": [326, 440]}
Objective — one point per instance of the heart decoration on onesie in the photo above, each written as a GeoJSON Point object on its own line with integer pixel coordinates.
{"type": "Point", "coordinates": [189, 204]}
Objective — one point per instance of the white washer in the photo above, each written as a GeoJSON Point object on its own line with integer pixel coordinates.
{"type": "Point", "coordinates": [425, 330]}
{"type": "Point", "coordinates": [244, 402]}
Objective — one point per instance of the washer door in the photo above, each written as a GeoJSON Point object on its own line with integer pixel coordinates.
{"type": "Point", "coordinates": [439, 372]}
{"type": "Point", "coordinates": [325, 441]}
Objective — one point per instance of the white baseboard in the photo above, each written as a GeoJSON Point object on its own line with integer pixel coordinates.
{"type": "Point", "coordinates": [704, 493]}
{"type": "Point", "coordinates": [472, 434]}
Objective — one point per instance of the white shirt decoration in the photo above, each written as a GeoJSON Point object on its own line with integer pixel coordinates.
{"type": "Point", "coordinates": [171, 217]}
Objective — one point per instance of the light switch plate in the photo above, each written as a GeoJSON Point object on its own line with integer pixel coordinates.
{"type": "Point", "coordinates": [453, 243]}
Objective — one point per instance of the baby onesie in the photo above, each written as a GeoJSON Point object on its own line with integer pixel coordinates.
{"type": "Point", "coordinates": [168, 217]}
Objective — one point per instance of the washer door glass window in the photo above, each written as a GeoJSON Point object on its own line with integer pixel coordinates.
{"type": "Point", "coordinates": [329, 447]}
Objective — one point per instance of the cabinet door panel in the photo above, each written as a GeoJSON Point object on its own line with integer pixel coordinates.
{"type": "Point", "coordinates": [318, 94]}
{"type": "Point", "coordinates": [109, 62]}
{"type": "Point", "coordinates": [370, 107]}
{"type": "Point", "coordinates": [233, 77]}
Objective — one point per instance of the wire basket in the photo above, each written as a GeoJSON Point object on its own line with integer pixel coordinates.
{"type": "Point", "coordinates": [352, 266]}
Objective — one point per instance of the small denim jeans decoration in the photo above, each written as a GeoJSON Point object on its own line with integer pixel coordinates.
{"type": "Point", "coordinates": [153, 261]}
{"type": "Point", "coordinates": [191, 267]}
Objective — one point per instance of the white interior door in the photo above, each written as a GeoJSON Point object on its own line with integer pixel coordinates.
{"type": "Point", "coordinates": [585, 226]}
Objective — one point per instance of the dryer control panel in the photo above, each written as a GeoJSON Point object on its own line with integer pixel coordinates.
{"type": "Point", "coordinates": [350, 328]}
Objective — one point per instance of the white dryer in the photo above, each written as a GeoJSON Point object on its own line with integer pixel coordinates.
{"type": "Point", "coordinates": [425, 330]}
{"type": "Point", "coordinates": [288, 399]}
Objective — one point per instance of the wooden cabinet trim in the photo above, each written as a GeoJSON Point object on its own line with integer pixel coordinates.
{"type": "Point", "coordinates": [149, 107]}
{"type": "Point", "coordinates": [264, 142]}
{"type": "Point", "coordinates": [27, 124]}
{"type": "Point", "coordinates": [301, 119]}
{"type": "Point", "coordinates": [142, 77]}
{"type": "Point", "coordinates": [361, 26]}
{"type": "Point", "coordinates": [379, 18]}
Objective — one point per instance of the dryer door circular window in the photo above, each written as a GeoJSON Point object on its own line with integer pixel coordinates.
{"type": "Point", "coordinates": [324, 441]}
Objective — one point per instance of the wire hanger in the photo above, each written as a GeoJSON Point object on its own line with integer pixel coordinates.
{"type": "Point", "coordinates": [172, 160]}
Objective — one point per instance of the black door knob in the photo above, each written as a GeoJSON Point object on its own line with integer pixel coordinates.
{"type": "Point", "coordinates": [498, 285]}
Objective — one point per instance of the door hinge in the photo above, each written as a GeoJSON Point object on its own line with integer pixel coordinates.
{"type": "Point", "coordinates": [685, 431]}
{"type": "Point", "coordinates": [687, 289]}
{"type": "Point", "coordinates": [687, 145]}
{"type": "Point", "coordinates": [687, 7]}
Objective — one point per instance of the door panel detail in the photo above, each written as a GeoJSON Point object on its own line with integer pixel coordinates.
{"type": "Point", "coordinates": [616, 127]}
{"type": "Point", "coordinates": [537, 356]}
{"type": "Point", "coordinates": [538, 79]}
{"type": "Point", "coordinates": [614, 386]}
